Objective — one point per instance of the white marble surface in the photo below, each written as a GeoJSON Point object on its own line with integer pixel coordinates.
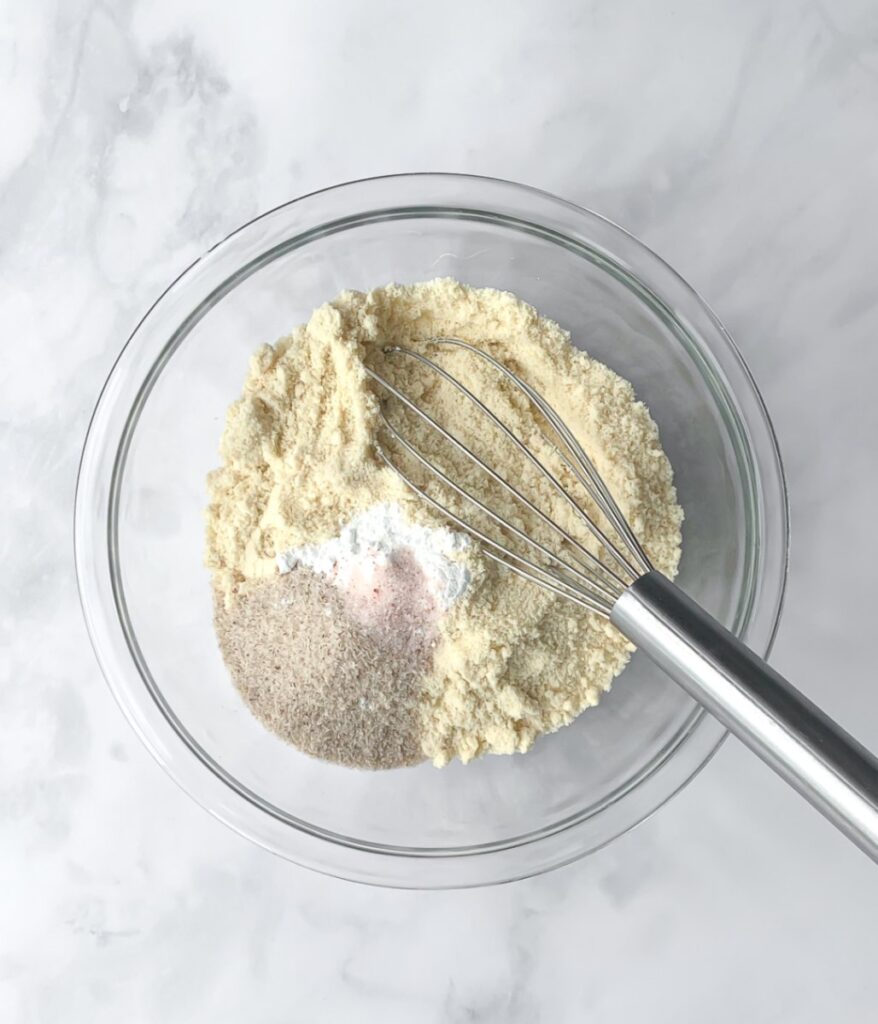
{"type": "Point", "coordinates": [739, 140]}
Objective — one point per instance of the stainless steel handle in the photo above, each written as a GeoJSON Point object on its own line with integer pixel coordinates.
{"type": "Point", "coordinates": [803, 745]}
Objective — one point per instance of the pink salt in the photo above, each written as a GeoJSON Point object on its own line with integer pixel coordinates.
{"type": "Point", "coordinates": [392, 598]}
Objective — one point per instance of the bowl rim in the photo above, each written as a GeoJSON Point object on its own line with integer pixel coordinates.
{"type": "Point", "coordinates": [702, 740]}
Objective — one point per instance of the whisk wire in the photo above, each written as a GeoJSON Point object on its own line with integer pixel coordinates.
{"type": "Point", "coordinates": [583, 556]}
{"type": "Point", "coordinates": [581, 465]}
{"type": "Point", "coordinates": [589, 582]}
{"type": "Point", "coordinates": [504, 556]}
{"type": "Point", "coordinates": [581, 577]}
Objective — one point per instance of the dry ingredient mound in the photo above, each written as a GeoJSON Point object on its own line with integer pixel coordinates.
{"type": "Point", "coordinates": [510, 661]}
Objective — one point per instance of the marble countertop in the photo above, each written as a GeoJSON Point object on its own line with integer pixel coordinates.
{"type": "Point", "coordinates": [738, 140]}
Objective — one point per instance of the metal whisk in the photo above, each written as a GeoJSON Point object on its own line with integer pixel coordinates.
{"type": "Point", "coordinates": [790, 733]}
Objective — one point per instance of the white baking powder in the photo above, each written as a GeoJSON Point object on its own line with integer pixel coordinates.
{"type": "Point", "coordinates": [370, 543]}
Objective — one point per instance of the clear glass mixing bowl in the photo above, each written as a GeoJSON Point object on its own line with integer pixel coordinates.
{"type": "Point", "coordinates": [139, 529]}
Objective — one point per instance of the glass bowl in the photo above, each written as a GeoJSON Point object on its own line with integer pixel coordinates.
{"type": "Point", "coordinates": [141, 495]}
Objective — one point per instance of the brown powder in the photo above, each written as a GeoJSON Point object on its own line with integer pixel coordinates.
{"type": "Point", "coordinates": [323, 674]}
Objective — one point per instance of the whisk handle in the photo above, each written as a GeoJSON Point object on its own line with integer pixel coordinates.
{"type": "Point", "coordinates": [790, 733]}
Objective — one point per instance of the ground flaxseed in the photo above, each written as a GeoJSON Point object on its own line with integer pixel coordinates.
{"type": "Point", "coordinates": [317, 672]}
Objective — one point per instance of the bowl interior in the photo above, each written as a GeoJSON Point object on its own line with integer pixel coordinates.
{"type": "Point", "coordinates": [157, 529]}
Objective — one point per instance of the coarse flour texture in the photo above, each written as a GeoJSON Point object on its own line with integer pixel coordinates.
{"type": "Point", "coordinates": [299, 463]}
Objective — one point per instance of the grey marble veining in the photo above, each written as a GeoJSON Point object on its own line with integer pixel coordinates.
{"type": "Point", "coordinates": [739, 141]}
